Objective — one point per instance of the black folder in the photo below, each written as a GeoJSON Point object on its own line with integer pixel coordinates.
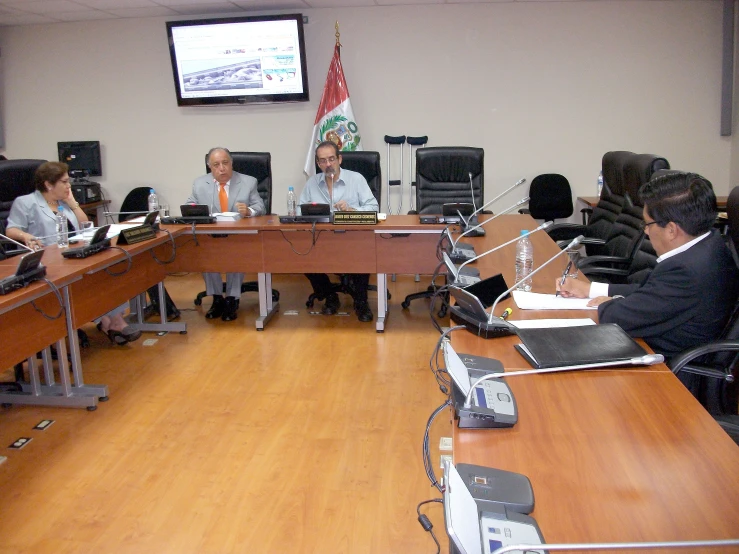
{"type": "Point", "coordinates": [566, 346]}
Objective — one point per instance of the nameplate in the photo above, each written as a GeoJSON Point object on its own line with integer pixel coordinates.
{"type": "Point", "coordinates": [355, 218]}
{"type": "Point", "coordinates": [132, 235]}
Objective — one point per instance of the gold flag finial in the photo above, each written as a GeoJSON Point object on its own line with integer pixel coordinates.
{"type": "Point", "coordinates": [338, 35]}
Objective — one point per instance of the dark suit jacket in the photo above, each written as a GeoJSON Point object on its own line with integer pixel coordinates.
{"type": "Point", "coordinates": [684, 302]}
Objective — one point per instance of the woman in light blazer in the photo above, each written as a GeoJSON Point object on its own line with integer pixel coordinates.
{"type": "Point", "coordinates": [32, 221]}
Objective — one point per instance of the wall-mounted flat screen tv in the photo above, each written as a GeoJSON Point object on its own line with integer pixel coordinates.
{"type": "Point", "coordinates": [239, 60]}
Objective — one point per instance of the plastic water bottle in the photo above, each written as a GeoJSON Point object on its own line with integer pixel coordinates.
{"type": "Point", "coordinates": [62, 232]}
{"type": "Point", "coordinates": [292, 202]}
{"type": "Point", "coordinates": [153, 201]}
{"type": "Point", "coordinates": [524, 262]}
{"type": "Point", "coordinates": [600, 183]}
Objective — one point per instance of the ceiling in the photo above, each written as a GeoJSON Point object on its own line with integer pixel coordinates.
{"type": "Point", "coordinates": [35, 12]}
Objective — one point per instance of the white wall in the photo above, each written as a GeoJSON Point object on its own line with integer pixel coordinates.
{"type": "Point", "coordinates": [542, 87]}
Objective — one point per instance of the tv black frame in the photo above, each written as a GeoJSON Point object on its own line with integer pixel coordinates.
{"type": "Point", "coordinates": [240, 99]}
{"type": "Point", "coordinates": [93, 146]}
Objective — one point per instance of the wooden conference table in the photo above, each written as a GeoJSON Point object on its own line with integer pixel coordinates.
{"type": "Point", "coordinates": [264, 246]}
{"type": "Point", "coordinates": [612, 455]}
{"type": "Point", "coordinates": [88, 288]}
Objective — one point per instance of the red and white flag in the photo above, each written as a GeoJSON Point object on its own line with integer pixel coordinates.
{"type": "Point", "coordinates": [335, 118]}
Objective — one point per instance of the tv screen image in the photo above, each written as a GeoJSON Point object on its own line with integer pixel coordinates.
{"type": "Point", "coordinates": [238, 60]}
{"type": "Point", "coordinates": [82, 156]}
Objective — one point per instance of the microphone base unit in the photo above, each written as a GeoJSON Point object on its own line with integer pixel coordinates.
{"type": "Point", "coordinates": [480, 417]}
{"type": "Point", "coordinates": [15, 282]}
{"type": "Point", "coordinates": [483, 329]}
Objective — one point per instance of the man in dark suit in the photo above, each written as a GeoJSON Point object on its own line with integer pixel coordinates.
{"type": "Point", "coordinates": [225, 190]}
{"type": "Point", "coordinates": [688, 297]}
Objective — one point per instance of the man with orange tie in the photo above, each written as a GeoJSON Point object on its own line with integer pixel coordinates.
{"type": "Point", "coordinates": [224, 190]}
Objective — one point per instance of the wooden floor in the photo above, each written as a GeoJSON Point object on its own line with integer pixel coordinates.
{"type": "Point", "coordinates": [303, 438]}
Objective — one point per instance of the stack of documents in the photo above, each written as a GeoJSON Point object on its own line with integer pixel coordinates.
{"type": "Point", "coordinates": [228, 216]}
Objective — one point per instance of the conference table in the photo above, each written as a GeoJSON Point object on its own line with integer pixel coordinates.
{"type": "Point", "coordinates": [37, 316]}
{"type": "Point", "coordinates": [613, 455]}
{"type": "Point", "coordinates": [264, 246]}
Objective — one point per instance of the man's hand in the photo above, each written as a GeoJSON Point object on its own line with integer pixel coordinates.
{"type": "Point", "coordinates": [598, 300]}
{"type": "Point", "coordinates": [343, 206]}
{"type": "Point", "coordinates": [243, 209]}
{"type": "Point", "coordinates": [572, 288]}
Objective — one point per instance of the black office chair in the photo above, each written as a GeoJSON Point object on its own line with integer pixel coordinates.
{"type": "Point", "coordinates": [259, 166]}
{"type": "Point", "coordinates": [368, 164]}
{"type": "Point", "coordinates": [550, 197]}
{"type": "Point", "coordinates": [136, 204]}
{"type": "Point", "coordinates": [443, 176]}
{"type": "Point", "coordinates": [16, 179]}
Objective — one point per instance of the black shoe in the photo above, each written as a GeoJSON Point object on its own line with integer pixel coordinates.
{"type": "Point", "coordinates": [216, 309]}
{"type": "Point", "coordinates": [231, 306]}
{"type": "Point", "coordinates": [332, 304]}
{"type": "Point", "coordinates": [363, 311]}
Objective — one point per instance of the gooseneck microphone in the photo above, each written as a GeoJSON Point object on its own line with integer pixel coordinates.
{"type": "Point", "coordinates": [541, 227]}
{"type": "Point", "coordinates": [648, 359]}
{"type": "Point", "coordinates": [472, 192]}
{"type": "Point", "coordinates": [573, 244]}
{"type": "Point", "coordinates": [330, 173]}
{"type": "Point", "coordinates": [507, 210]}
{"type": "Point", "coordinates": [18, 243]}
{"type": "Point", "coordinates": [481, 208]}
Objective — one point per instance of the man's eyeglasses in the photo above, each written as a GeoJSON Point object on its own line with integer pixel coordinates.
{"type": "Point", "coordinates": [327, 161]}
{"type": "Point", "coordinates": [644, 224]}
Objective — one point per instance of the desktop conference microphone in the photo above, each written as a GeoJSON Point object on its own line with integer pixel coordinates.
{"type": "Point", "coordinates": [573, 244]}
{"type": "Point", "coordinates": [472, 192]}
{"type": "Point", "coordinates": [648, 359]}
{"type": "Point", "coordinates": [481, 208]}
{"type": "Point", "coordinates": [544, 225]}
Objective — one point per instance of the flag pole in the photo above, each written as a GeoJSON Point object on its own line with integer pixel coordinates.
{"type": "Point", "coordinates": [338, 44]}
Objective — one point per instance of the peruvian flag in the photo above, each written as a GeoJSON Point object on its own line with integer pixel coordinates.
{"type": "Point", "coordinates": [335, 118]}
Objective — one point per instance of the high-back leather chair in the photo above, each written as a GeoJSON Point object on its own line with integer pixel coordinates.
{"type": "Point", "coordinates": [257, 165]}
{"type": "Point", "coordinates": [16, 179]}
{"type": "Point", "coordinates": [443, 176]}
{"type": "Point", "coordinates": [366, 163]}
{"type": "Point", "coordinates": [623, 172]}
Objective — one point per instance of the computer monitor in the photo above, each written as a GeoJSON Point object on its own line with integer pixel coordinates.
{"type": "Point", "coordinates": [81, 156]}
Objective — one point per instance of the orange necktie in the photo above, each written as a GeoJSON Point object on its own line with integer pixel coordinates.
{"type": "Point", "coordinates": [223, 197]}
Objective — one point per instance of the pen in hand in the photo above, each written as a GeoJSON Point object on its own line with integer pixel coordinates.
{"type": "Point", "coordinates": [564, 276]}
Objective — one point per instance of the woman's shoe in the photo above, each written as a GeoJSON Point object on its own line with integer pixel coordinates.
{"type": "Point", "coordinates": [116, 337]}
{"type": "Point", "coordinates": [130, 333]}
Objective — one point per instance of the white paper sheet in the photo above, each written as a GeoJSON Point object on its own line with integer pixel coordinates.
{"type": "Point", "coordinates": [548, 323]}
{"type": "Point", "coordinates": [537, 301]}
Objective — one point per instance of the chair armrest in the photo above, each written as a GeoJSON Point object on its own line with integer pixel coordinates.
{"type": "Point", "coordinates": [602, 262]}
{"type": "Point", "coordinates": [586, 213]}
{"type": "Point", "coordinates": [524, 211]}
{"type": "Point", "coordinates": [565, 231]}
{"type": "Point", "coordinates": [412, 212]}
{"type": "Point", "coordinates": [682, 361]}
{"type": "Point", "coordinates": [607, 272]}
